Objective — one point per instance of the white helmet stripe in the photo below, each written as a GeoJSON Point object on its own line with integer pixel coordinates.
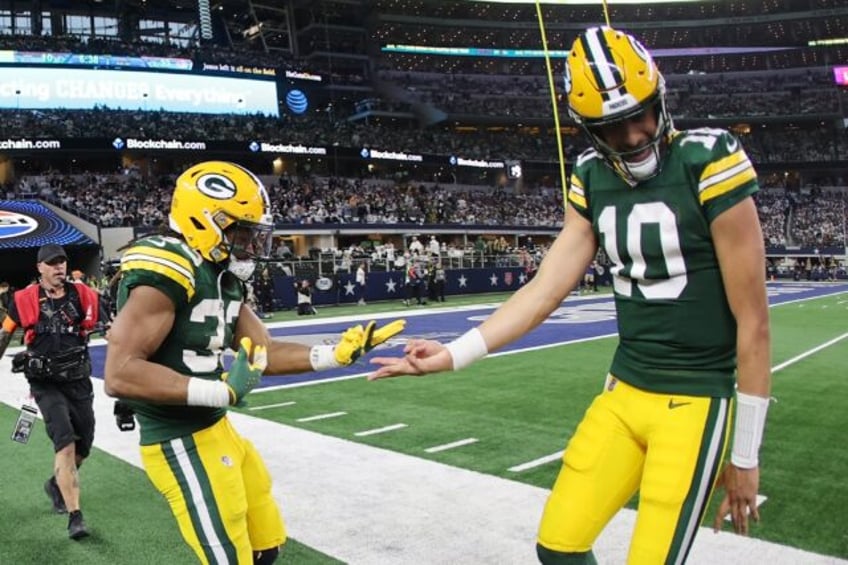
{"type": "Point", "coordinates": [603, 66]}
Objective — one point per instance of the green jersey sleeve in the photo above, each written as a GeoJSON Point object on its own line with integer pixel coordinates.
{"type": "Point", "coordinates": [163, 263]}
{"type": "Point", "coordinates": [578, 196]}
{"type": "Point", "coordinates": [724, 172]}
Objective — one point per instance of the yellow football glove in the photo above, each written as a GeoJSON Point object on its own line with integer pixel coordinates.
{"type": "Point", "coordinates": [243, 375]}
{"type": "Point", "coordinates": [357, 341]}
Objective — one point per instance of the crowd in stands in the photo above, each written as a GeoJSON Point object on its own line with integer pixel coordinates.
{"type": "Point", "coordinates": [337, 200]}
{"type": "Point", "coordinates": [773, 208]}
{"type": "Point", "coordinates": [104, 200]}
{"type": "Point", "coordinates": [809, 217]}
{"type": "Point", "coordinates": [819, 218]}
{"type": "Point", "coordinates": [811, 92]}
{"type": "Point", "coordinates": [126, 199]}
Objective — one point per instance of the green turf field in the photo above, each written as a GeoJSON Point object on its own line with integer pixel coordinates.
{"type": "Point", "coordinates": [518, 408]}
{"type": "Point", "coordinates": [521, 407]}
{"type": "Point", "coordinates": [130, 522]}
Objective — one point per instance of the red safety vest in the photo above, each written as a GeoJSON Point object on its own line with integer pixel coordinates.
{"type": "Point", "coordinates": [26, 301]}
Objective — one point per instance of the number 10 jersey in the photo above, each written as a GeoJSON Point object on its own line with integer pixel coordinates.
{"type": "Point", "coordinates": [677, 333]}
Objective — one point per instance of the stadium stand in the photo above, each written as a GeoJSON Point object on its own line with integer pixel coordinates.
{"type": "Point", "coordinates": [770, 83]}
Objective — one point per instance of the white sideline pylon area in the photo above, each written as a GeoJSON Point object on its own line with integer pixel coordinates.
{"type": "Point", "coordinates": [365, 505]}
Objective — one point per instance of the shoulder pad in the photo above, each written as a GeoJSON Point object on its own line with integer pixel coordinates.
{"type": "Point", "coordinates": [162, 261]}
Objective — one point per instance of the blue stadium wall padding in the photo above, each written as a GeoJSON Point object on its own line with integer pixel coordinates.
{"type": "Point", "coordinates": [389, 285]}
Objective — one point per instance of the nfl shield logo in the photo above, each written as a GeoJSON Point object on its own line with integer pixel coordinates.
{"type": "Point", "coordinates": [508, 278]}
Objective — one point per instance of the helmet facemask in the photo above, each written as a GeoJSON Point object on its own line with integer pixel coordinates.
{"type": "Point", "coordinates": [634, 172]}
{"type": "Point", "coordinates": [247, 242]}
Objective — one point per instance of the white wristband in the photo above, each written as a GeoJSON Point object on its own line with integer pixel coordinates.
{"type": "Point", "coordinates": [748, 435]}
{"type": "Point", "coordinates": [467, 348]}
{"type": "Point", "coordinates": [323, 357]}
{"type": "Point", "coordinates": [202, 392]}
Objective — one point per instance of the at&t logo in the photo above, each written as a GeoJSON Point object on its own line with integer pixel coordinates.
{"type": "Point", "coordinates": [13, 224]}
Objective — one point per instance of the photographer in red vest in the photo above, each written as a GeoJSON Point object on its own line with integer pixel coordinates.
{"type": "Point", "coordinates": [57, 317]}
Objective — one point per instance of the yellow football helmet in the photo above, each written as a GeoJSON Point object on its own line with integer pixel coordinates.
{"type": "Point", "coordinates": [214, 196]}
{"type": "Point", "coordinates": [610, 77]}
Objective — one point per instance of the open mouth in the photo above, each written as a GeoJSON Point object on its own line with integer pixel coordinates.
{"type": "Point", "coordinates": [639, 157]}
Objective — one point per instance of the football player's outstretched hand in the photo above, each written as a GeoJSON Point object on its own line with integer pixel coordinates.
{"type": "Point", "coordinates": [357, 341]}
{"type": "Point", "coordinates": [243, 375]}
{"type": "Point", "coordinates": [421, 356]}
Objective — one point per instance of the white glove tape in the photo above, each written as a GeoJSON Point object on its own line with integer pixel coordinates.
{"type": "Point", "coordinates": [323, 357]}
{"type": "Point", "coordinates": [202, 392]}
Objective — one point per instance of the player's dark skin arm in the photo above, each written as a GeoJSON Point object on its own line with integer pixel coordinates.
{"type": "Point", "coordinates": [137, 332]}
{"type": "Point", "coordinates": [283, 357]}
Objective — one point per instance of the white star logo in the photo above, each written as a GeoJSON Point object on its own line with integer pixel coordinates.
{"type": "Point", "coordinates": [522, 278]}
{"type": "Point", "coordinates": [390, 286]}
{"type": "Point", "coordinates": [463, 282]}
{"type": "Point", "coordinates": [493, 280]}
{"type": "Point", "coordinates": [349, 288]}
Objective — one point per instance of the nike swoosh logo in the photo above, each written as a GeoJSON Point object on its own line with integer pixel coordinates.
{"type": "Point", "coordinates": [672, 404]}
{"type": "Point", "coordinates": [732, 146]}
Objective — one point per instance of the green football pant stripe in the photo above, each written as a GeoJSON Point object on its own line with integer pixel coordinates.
{"type": "Point", "coordinates": [703, 479]}
{"type": "Point", "coordinates": [184, 461]}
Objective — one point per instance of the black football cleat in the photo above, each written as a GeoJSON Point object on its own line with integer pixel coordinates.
{"type": "Point", "coordinates": [55, 495]}
{"type": "Point", "coordinates": [76, 526]}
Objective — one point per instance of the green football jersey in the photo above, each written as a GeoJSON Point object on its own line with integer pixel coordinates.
{"type": "Point", "coordinates": [677, 333]}
{"type": "Point", "coordinates": [207, 300]}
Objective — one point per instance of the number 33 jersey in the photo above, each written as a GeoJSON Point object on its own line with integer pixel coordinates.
{"type": "Point", "coordinates": [677, 333]}
{"type": "Point", "coordinates": [207, 301]}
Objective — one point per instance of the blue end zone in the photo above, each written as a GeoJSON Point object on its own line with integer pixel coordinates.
{"type": "Point", "coordinates": [574, 321]}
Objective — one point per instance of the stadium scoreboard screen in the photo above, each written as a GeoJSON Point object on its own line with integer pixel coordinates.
{"type": "Point", "coordinates": [43, 81]}
{"type": "Point", "coordinates": [41, 88]}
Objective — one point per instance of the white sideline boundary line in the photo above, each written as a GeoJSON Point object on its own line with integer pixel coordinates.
{"type": "Point", "coordinates": [451, 445]}
{"type": "Point", "coordinates": [382, 430]}
{"type": "Point", "coordinates": [326, 416]}
{"type": "Point", "coordinates": [537, 462]}
{"type": "Point", "coordinates": [269, 406]}
{"type": "Point", "coordinates": [807, 353]}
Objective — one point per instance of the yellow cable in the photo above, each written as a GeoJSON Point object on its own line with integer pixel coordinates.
{"type": "Point", "coordinates": [606, 13]}
{"type": "Point", "coordinates": [554, 105]}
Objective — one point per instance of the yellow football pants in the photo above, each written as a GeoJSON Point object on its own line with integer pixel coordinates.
{"type": "Point", "coordinates": [668, 447]}
{"type": "Point", "coordinates": [219, 491]}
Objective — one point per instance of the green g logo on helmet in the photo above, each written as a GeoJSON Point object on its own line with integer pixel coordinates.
{"type": "Point", "coordinates": [216, 186]}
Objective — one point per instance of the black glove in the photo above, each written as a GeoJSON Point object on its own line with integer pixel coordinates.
{"type": "Point", "coordinates": [124, 416]}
